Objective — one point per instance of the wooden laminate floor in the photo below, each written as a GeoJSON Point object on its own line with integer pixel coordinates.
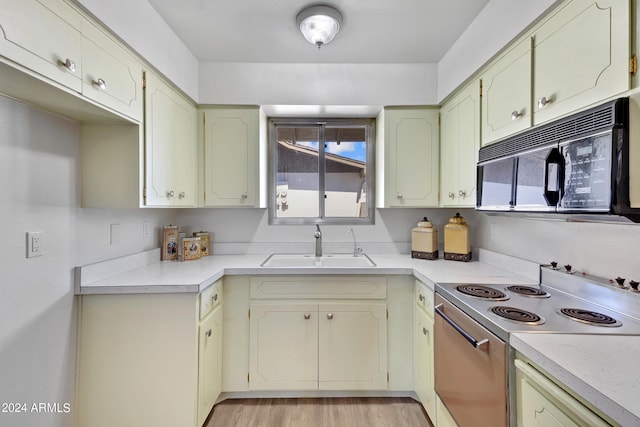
{"type": "Point", "coordinates": [321, 412]}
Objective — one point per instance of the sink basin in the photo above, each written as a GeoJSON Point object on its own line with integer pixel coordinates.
{"type": "Point", "coordinates": [306, 260]}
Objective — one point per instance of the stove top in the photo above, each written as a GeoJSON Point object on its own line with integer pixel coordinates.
{"type": "Point", "coordinates": [563, 303]}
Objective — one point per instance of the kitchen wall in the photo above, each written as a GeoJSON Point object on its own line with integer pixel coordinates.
{"type": "Point", "coordinates": [40, 188]}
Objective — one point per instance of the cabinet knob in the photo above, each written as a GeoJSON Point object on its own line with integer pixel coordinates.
{"type": "Point", "coordinates": [421, 297]}
{"type": "Point", "coordinates": [399, 196]}
{"type": "Point", "coordinates": [307, 316]}
{"type": "Point", "coordinates": [425, 331]}
{"type": "Point", "coordinates": [181, 195]}
{"type": "Point", "coordinates": [462, 193]}
{"type": "Point", "coordinates": [69, 65]}
{"type": "Point", "coordinates": [170, 193]}
{"type": "Point", "coordinates": [215, 297]}
{"type": "Point", "coordinates": [544, 101]}
{"type": "Point", "coordinates": [208, 333]}
{"type": "Point", "coordinates": [100, 83]}
{"type": "Point", "coordinates": [452, 195]}
{"type": "Point", "coordinates": [329, 316]}
{"type": "Point", "coordinates": [515, 115]}
{"type": "Point", "coordinates": [245, 195]}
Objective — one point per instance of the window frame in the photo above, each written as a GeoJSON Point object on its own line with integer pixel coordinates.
{"type": "Point", "coordinates": [322, 123]}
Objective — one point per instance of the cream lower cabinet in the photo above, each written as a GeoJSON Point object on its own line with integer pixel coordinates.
{"type": "Point", "coordinates": [541, 402]}
{"type": "Point", "coordinates": [444, 417]}
{"type": "Point", "coordinates": [459, 145]}
{"type": "Point", "coordinates": [140, 359]}
{"type": "Point", "coordinates": [423, 369]}
{"type": "Point", "coordinates": [170, 146]}
{"type": "Point", "coordinates": [296, 343]}
{"type": "Point", "coordinates": [408, 158]}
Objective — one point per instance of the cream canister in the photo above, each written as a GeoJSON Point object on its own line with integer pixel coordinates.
{"type": "Point", "coordinates": [424, 240]}
{"type": "Point", "coordinates": [456, 239]}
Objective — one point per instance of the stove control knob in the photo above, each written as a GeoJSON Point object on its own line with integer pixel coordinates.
{"type": "Point", "coordinates": [568, 268]}
{"type": "Point", "coordinates": [554, 264]}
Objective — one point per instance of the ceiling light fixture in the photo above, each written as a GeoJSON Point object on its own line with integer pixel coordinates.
{"type": "Point", "coordinates": [319, 24]}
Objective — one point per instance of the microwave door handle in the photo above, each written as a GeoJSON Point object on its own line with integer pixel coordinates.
{"type": "Point", "coordinates": [474, 342]}
{"type": "Point", "coordinates": [552, 173]}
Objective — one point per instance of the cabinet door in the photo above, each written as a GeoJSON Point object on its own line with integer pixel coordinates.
{"type": "Point", "coordinates": [170, 146]}
{"type": "Point", "coordinates": [352, 346]}
{"type": "Point", "coordinates": [209, 363]}
{"type": "Point", "coordinates": [110, 75]}
{"type": "Point", "coordinates": [231, 145]}
{"type": "Point", "coordinates": [460, 142]}
{"type": "Point", "coordinates": [581, 57]}
{"type": "Point", "coordinates": [283, 351]}
{"type": "Point", "coordinates": [444, 417]}
{"type": "Point", "coordinates": [412, 158]}
{"type": "Point", "coordinates": [42, 39]}
{"type": "Point", "coordinates": [423, 362]}
{"type": "Point", "coordinates": [506, 94]}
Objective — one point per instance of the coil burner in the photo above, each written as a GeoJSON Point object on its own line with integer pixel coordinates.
{"type": "Point", "coordinates": [528, 291]}
{"type": "Point", "coordinates": [517, 315]}
{"type": "Point", "coordinates": [589, 317]}
{"type": "Point", "coordinates": [482, 292]}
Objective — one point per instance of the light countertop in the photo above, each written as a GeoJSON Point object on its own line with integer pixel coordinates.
{"type": "Point", "coordinates": [601, 368]}
{"type": "Point", "coordinates": [194, 276]}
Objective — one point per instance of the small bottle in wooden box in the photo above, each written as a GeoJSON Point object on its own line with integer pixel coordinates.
{"type": "Point", "coordinates": [424, 240]}
{"type": "Point", "coordinates": [456, 239]}
{"type": "Point", "coordinates": [204, 242]}
{"type": "Point", "coordinates": [190, 248]}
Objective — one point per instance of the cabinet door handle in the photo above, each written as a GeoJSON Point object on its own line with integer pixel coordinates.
{"type": "Point", "coordinates": [100, 83]}
{"type": "Point", "coordinates": [452, 195]}
{"type": "Point", "coordinates": [215, 297]}
{"type": "Point", "coordinates": [462, 193]}
{"type": "Point", "coordinates": [181, 195]}
{"type": "Point", "coordinates": [69, 65]}
{"type": "Point", "coordinates": [329, 316]}
{"type": "Point", "coordinates": [544, 101]}
{"type": "Point", "coordinates": [425, 331]}
{"type": "Point", "coordinates": [170, 193]}
{"type": "Point", "coordinates": [245, 196]}
{"type": "Point", "coordinates": [421, 297]}
{"type": "Point", "coordinates": [307, 316]}
{"type": "Point", "coordinates": [515, 115]}
{"type": "Point", "coordinates": [399, 196]}
{"type": "Point", "coordinates": [208, 333]}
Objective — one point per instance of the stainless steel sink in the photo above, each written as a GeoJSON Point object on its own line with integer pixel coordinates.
{"type": "Point", "coordinates": [308, 260]}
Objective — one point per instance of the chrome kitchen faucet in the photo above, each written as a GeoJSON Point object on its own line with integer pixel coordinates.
{"type": "Point", "coordinates": [318, 235]}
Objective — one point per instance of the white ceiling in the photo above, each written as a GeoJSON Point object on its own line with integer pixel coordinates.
{"type": "Point", "coordinates": [373, 31]}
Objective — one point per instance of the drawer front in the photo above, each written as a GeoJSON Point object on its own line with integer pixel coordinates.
{"type": "Point", "coordinates": [318, 287]}
{"type": "Point", "coordinates": [424, 297]}
{"type": "Point", "coordinates": [210, 298]}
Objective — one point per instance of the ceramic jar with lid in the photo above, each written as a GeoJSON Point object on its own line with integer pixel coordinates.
{"type": "Point", "coordinates": [456, 239]}
{"type": "Point", "coordinates": [424, 240]}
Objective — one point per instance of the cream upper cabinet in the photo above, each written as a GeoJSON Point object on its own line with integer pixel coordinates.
{"type": "Point", "coordinates": [459, 145]}
{"type": "Point", "coordinates": [44, 37]}
{"type": "Point", "coordinates": [110, 75]}
{"type": "Point", "coordinates": [408, 158]}
{"type": "Point", "coordinates": [170, 146]}
{"type": "Point", "coordinates": [581, 56]}
{"type": "Point", "coordinates": [231, 140]}
{"type": "Point", "coordinates": [423, 369]}
{"type": "Point", "coordinates": [506, 94]}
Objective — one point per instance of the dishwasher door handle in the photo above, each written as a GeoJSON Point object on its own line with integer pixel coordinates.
{"type": "Point", "coordinates": [474, 342]}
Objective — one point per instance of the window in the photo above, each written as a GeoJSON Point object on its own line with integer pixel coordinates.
{"type": "Point", "coordinates": [321, 171]}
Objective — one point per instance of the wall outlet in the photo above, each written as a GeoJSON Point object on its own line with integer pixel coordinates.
{"type": "Point", "coordinates": [146, 229]}
{"type": "Point", "coordinates": [35, 243]}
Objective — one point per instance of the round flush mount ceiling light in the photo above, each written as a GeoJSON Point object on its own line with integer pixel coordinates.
{"type": "Point", "coordinates": [319, 24]}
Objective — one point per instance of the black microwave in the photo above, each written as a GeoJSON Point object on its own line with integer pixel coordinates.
{"type": "Point", "coordinates": [579, 164]}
